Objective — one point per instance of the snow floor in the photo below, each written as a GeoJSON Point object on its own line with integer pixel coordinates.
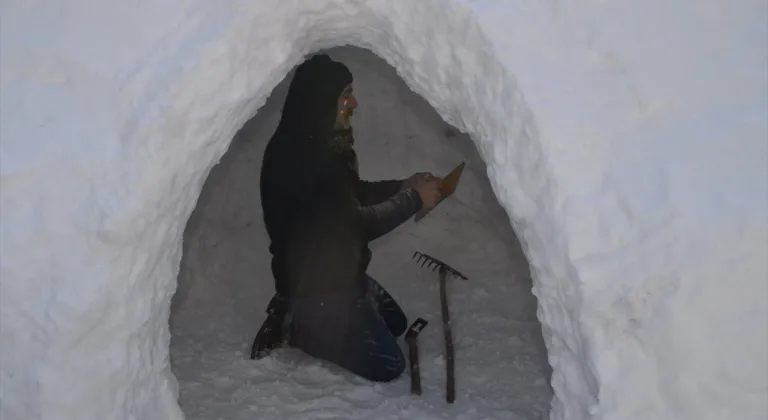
{"type": "Point", "coordinates": [225, 282]}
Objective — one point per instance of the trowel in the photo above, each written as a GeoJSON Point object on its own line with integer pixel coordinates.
{"type": "Point", "coordinates": [448, 185]}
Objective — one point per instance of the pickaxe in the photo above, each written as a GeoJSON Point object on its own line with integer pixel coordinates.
{"type": "Point", "coordinates": [413, 354]}
{"type": "Point", "coordinates": [449, 352]}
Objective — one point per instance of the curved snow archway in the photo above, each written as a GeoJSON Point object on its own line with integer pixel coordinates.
{"type": "Point", "coordinates": [639, 192]}
{"type": "Point", "coordinates": [225, 281]}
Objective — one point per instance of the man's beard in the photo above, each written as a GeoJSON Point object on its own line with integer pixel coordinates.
{"type": "Point", "coordinates": [343, 123]}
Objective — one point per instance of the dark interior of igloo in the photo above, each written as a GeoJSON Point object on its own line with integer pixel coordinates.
{"type": "Point", "coordinates": [225, 282]}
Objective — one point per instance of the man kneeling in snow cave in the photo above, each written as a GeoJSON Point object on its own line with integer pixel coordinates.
{"type": "Point", "coordinates": [320, 218]}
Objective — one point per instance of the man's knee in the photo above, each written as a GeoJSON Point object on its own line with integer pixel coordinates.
{"type": "Point", "coordinates": [397, 323]}
{"type": "Point", "coordinates": [388, 372]}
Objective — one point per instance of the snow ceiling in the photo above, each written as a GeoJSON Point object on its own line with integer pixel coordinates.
{"type": "Point", "coordinates": [627, 141]}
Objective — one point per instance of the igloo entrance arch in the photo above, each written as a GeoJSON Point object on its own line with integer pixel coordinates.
{"type": "Point", "coordinates": [225, 281]}
{"type": "Point", "coordinates": [629, 154]}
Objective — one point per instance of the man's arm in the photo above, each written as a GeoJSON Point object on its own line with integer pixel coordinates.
{"type": "Point", "coordinates": [379, 219]}
{"type": "Point", "coordinates": [370, 193]}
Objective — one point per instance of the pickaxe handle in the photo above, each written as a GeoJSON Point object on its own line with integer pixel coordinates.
{"type": "Point", "coordinates": [413, 354]}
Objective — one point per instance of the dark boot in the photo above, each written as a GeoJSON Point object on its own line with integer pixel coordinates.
{"type": "Point", "coordinates": [274, 332]}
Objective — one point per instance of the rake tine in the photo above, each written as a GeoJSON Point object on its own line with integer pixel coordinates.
{"type": "Point", "coordinates": [433, 263]}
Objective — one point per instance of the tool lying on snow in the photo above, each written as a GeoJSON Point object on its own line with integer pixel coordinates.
{"type": "Point", "coordinates": [413, 353]}
{"type": "Point", "coordinates": [448, 185]}
{"type": "Point", "coordinates": [449, 352]}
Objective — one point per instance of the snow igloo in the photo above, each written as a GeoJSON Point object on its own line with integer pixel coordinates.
{"type": "Point", "coordinates": [627, 142]}
{"type": "Point", "coordinates": [225, 281]}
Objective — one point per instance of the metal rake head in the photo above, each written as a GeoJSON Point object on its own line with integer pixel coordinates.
{"type": "Point", "coordinates": [434, 263]}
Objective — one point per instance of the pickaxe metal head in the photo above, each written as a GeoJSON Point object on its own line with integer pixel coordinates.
{"type": "Point", "coordinates": [415, 329]}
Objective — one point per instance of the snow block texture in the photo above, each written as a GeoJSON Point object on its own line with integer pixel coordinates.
{"type": "Point", "coordinates": [627, 141]}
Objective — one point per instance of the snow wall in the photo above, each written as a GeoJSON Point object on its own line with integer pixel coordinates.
{"type": "Point", "coordinates": [627, 141]}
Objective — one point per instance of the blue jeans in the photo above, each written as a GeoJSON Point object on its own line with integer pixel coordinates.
{"type": "Point", "coordinates": [358, 333]}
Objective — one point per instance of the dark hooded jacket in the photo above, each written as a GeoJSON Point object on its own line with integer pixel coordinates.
{"type": "Point", "coordinates": [318, 214]}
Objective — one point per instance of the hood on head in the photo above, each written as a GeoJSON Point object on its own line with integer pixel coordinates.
{"type": "Point", "coordinates": [311, 104]}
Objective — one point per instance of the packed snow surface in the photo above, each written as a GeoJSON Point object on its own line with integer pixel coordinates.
{"type": "Point", "coordinates": [626, 140]}
{"type": "Point", "coordinates": [225, 281]}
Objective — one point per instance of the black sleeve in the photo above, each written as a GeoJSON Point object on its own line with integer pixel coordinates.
{"type": "Point", "coordinates": [375, 192]}
{"type": "Point", "coordinates": [381, 218]}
